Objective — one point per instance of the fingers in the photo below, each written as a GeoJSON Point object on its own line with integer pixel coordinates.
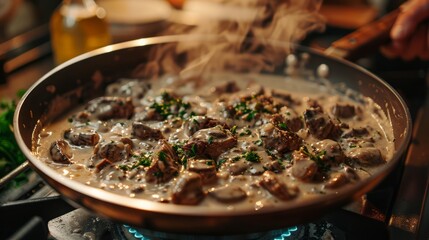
{"type": "Point", "coordinates": [412, 14]}
{"type": "Point", "coordinates": [409, 34]}
{"type": "Point", "coordinates": [416, 46]}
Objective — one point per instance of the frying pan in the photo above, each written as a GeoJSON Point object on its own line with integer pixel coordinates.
{"type": "Point", "coordinates": [81, 78]}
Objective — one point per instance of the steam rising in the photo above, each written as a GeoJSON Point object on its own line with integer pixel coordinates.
{"type": "Point", "coordinates": [288, 21]}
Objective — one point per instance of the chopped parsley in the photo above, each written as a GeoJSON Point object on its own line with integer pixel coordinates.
{"type": "Point", "coordinates": [252, 156]}
{"type": "Point", "coordinates": [258, 142]}
{"type": "Point", "coordinates": [183, 154]}
{"type": "Point", "coordinates": [233, 130]}
{"type": "Point", "coordinates": [170, 106]}
{"type": "Point", "coordinates": [162, 156]}
{"type": "Point", "coordinates": [220, 162]}
{"type": "Point", "coordinates": [193, 151]}
{"type": "Point", "coordinates": [242, 109]}
{"type": "Point", "coordinates": [158, 174]}
{"type": "Point", "coordinates": [210, 140]}
{"type": "Point", "coordinates": [318, 158]}
{"type": "Point", "coordinates": [246, 132]}
{"type": "Point", "coordinates": [282, 126]}
{"type": "Point", "coordinates": [142, 160]}
{"type": "Point", "coordinates": [248, 156]}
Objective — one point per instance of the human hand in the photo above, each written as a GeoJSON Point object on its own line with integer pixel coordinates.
{"type": "Point", "coordinates": [410, 33]}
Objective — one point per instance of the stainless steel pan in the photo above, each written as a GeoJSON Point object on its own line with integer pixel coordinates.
{"type": "Point", "coordinates": [85, 73]}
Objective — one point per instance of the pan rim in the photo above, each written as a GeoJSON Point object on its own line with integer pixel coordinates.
{"type": "Point", "coordinates": [148, 206]}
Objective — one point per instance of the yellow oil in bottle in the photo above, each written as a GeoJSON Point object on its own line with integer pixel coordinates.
{"type": "Point", "coordinates": [78, 27]}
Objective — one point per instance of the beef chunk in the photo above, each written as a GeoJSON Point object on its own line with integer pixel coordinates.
{"type": "Point", "coordinates": [143, 132]}
{"type": "Point", "coordinates": [148, 114]}
{"type": "Point", "coordinates": [164, 164]}
{"type": "Point", "coordinates": [250, 107]}
{"type": "Point", "coordinates": [319, 124]}
{"type": "Point", "coordinates": [60, 152]}
{"type": "Point", "coordinates": [312, 103]}
{"type": "Point", "coordinates": [210, 142]}
{"type": "Point", "coordinates": [105, 108]}
{"type": "Point", "coordinates": [228, 194]}
{"type": "Point", "coordinates": [102, 164]}
{"type": "Point", "coordinates": [83, 138]}
{"type": "Point", "coordinates": [368, 156]}
{"type": "Point", "coordinates": [114, 150]}
{"type": "Point", "coordinates": [287, 120]}
{"type": "Point", "coordinates": [329, 151]}
{"type": "Point", "coordinates": [303, 167]}
{"type": "Point", "coordinates": [355, 132]}
{"type": "Point", "coordinates": [284, 97]}
{"type": "Point", "coordinates": [274, 166]}
{"type": "Point", "coordinates": [280, 140]}
{"type": "Point", "coordinates": [206, 169]}
{"type": "Point", "coordinates": [188, 189]}
{"type": "Point", "coordinates": [228, 87]}
{"type": "Point", "coordinates": [279, 189]}
{"type": "Point", "coordinates": [343, 110]}
{"type": "Point", "coordinates": [238, 167]}
{"type": "Point", "coordinates": [196, 123]}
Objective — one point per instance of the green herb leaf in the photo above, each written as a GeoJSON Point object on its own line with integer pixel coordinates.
{"type": "Point", "coordinates": [162, 156]}
{"type": "Point", "coordinates": [283, 126]}
{"type": "Point", "coordinates": [170, 106]}
{"type": "Point", "coordinates": [246, 132]}
{"type": "Point", "coordinates": [10, 154]}
{"type": "Point", "coordinates": [233, 130]}
{"type": "Point", "coordinates": [220, 162]}
{"type": "Point", "coordinates": [258, 142]}
{"type": "Point", "coordinates": [252, 156]}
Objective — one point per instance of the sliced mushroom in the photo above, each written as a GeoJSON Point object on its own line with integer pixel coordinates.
{"type": "Point", "coordinates": [61, 152]}
{"type": "Point", "coordinates": [113, 150]}
{"type": "Point", "coordinates": [143, 132]}
{"type": "Point", "coordinates": [228, 194]}
{"type": "Point", "coordinates": [369, 156]}
{"type": "Point", "coordinates": [85, 138]}
{"type": "Point", "coordinates": [237, 167]}
{"type": "Point", "coordinates": [336, 180]}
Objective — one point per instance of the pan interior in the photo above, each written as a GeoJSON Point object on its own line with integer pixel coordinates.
{"type": "Point", "coordinates": [105, 65]}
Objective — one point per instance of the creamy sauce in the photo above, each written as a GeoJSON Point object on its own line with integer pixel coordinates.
{"type": "Point", "coordinates": [227, 141]}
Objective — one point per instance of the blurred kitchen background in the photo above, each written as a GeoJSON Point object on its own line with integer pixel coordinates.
{"type": "Point", "coordinates": [25, 33]}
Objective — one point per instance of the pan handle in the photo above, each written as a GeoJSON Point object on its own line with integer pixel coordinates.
{"type": "Point", "coordinates": [365, 39]}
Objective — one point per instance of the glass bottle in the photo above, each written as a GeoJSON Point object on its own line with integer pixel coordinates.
{"type": "Point", "coordinates": [78, 26]}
